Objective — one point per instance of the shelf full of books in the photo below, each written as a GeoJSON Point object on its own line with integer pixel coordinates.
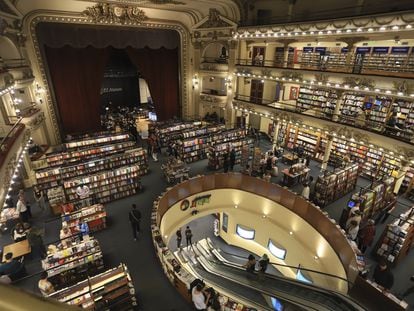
{"type": "Point", "coordinates": [322, 100]}
{"type": "Point", "coordinates": [69, 263]}
{"type": "Point", "coordinates": [94, 216]}
{"type": "Point", "coordinates": [107, 186]}
{"type": "Point", "coordinates": [397, 238]}
{"type": "Point", "coordinates": [112, 289]}
{"type": "Point", "coordinates": [52, 177]}
{"type": "Point", "coordinates": [331, 186]}
{"type": "Point", "coordinates": [173, 131]}
{"type": "Point", "coordinates": [217, 152]}
{"type": "Point", "coordinates": [97, 140]}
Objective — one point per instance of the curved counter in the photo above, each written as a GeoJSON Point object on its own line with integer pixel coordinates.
{"type": "Point", "coordinates": [224, 191]}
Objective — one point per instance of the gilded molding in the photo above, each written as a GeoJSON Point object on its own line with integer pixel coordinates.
{"type": "Point", "coordinates": [114, 13]}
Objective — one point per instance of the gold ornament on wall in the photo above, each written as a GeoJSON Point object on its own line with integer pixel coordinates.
{"type": "Point", "coordinates": [114, 13]}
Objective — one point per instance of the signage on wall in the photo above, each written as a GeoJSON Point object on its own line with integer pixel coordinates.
{"type": "Point", "coordinates": [363, 50]}
{"type": "Point", "coordinates": [381, 49]}
{"type": "Point", "coordinates": [280, 49]}
{"type": "Point", "coordinates": [344, 50]}
{"type": "Point", "coordinates": [400, 49]}
{"type": "Point", "coordinates": [105, 90]}
{"type": "Point", "coordinates": [307, 49]}
{"type": "Point", "coordinates": [197, 201]}
{"type": "Point", "coordinates": [320, 49]}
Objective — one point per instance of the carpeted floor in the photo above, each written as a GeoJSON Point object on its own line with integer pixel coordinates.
{"type": "Point", "coordinates": [150, 282]}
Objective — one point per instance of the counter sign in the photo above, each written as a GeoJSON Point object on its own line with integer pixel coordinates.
{"type": "Point", "coordinates": [197, 201]}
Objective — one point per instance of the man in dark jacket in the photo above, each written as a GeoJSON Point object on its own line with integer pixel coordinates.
{"type": "Point", "coordinates": [232, 159]}
{"type": "Point", "coordinates": [383, 276]}
{"type": "Point", "coordinates": [134, 219]}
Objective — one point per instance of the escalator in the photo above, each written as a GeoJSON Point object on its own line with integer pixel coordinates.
{"type": "Point", "coordinates": [257, 299]}
{"type": "Point", "coordinates": [280, 287]}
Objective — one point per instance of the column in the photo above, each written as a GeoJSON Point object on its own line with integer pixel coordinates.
{"type": "Point", "coordinates": [276, 134]}
{"type": "Point", "coordinates": [231, 81]}
{"type": "Point", "coordinates": [286, 43]}
{"type": "Point", "coordinates": [338, 106]}
{"type": "Point", "coordinates": [328, 149]}
{"type": "Point", "coordinates": [196, 80]}
{"type": "Point", "coordinates": [350, 44]}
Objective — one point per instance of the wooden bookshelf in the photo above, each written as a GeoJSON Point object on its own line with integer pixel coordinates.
{"type": "Point", "coordinates": [397, 238]}
{"type": "Point", "coordinates": [95, 141]}
{"type": "Point", "coordinates": [94, 216]}
{"type": "Point", "coordinates": [217, 151]}
{"type": "Point", "coordinates": [110, 289]}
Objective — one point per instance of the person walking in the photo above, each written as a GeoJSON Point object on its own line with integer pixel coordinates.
{"type": "Point", "coordinates": [250, 264]}
{"type": "Point", "coordinates": [366, 235]}
{"type": "Point", "coordinates": [226, 162]}
{"type": "Point", "coordinates": [38, 196]}
{"type": "Point", "coordinates": [135, 219]}
{"type": "Point", "coordinates": [232, 159]}
{"type": "Point", "coordinates": [188, 235]}
{"type": "Point", "coordinates": [306, 191]}
{"type": "Point", "coordinates": [263, 263]}
{"type": "Point", "coordinates": [179, 238]}
{"type": "Point", "coordinates": [383, 275]}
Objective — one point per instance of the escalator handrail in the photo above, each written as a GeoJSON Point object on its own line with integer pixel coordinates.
{"type": "Point", "coordinates": [298, 283]}
{"type": "Point", "coordinates": [262, 291]}
{"type": "Point", "coordinates": [350, 284]}
{"type": "Point", "coordinates": [214, 284]}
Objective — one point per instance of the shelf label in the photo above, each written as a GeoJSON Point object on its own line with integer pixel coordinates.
{"type": "Point", "coordinates": [307, 49]}
{"type": "Point", "coordinates": [197, 201]}
{"type": "Point", "coordinates": [400, 49]}
{"type": "Point", "coordinates": [320, 49]}
{"type": "Point", "coordinates": [344, 50]}
{"type": "Point", "coordinates": [381, 49]}
{"type": "Point", "coordinates": [363, 50]}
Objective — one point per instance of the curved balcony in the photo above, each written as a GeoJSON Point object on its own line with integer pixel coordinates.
{"type": "Point", "coordinates": [401, 69]}
{"type": "Point", "coordinates": [403, 134]}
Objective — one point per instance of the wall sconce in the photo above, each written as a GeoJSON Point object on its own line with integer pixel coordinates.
{"type": "Point", "coordinates": [228, 82]}
{"type": "Point", "coordinates": [195, 82]}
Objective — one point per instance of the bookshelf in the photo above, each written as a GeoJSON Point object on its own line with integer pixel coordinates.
{"type": "Point", "coordinates": [397, 238]}
{"type": "Point", "coordinates": [281, 137]}
{"type": "Point", "coordinates": [51, 177]}
{"type": "Point", "coordinates": [71, 157]}
{"type": "Point", "coordinates": [71, 138]}
{"type": "Point", "coordinates": [70, 264]}
{"type": "Point", "coordinates": [351, 106]}
{"type": "Point", "coordinates": [169, 132]}
{"type": "Point", "coordinates": [94, 216]}
{"type": "Point", "coordinates": [56, 198]}
{"type": "Point", "coordinates": [217, 151]}
{"type": "Point", "coordinates": [379, 112]}
{"type": "Point", "coordinates": [107, 185]}
{"type": "Point", "coordinates": [333, 185]}
{"type": "Point", "coordinates": [96, 141]}
{"type": "Point", "coordinates": [319, 99]}
{"type": "Point", "coordinates": [112, 288]}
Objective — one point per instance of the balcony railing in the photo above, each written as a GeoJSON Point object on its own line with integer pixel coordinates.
{"type": "Point", "coordinates": [215, 60]}
{"type": "Point", "coordinates": [404, 69]}
{"type": "Point", "coordinates": [13, 63]}
{"type": "Point", "coordinates": [402, 134]}
{"type": "Point", "coordinates": [8, 140]}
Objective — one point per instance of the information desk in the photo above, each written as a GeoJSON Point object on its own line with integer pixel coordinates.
{"type": "Point", "coordinates": [292, 179]}
{"type": "Point", "coordinates": [18, 249]}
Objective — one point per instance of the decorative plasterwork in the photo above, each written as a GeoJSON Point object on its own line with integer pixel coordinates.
{"type": "Point", "coordinates": [166, 2]}
{"type": "Point", "coordinates": [213, 27]}
{"type": "Point", "coordinates": [114, 13]}
{"type": "Point", "coordinates": [213, 99]}
{"type": "Point", "coordinates": [349, 83]}
{"type": "Point", "coordinates": [76, 18]}
{"type": "Point", "coordinates": [347, 26]}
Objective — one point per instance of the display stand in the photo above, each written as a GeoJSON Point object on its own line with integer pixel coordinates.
{"type": "Point", "coordinates": [110, 290]}
{"type": "Point", "coordinates": [71, 264]}
{"type": "Point", "coordinates": [333, 185]}
{"type": "Point", "coordinates": [397, 238]}
{"type": "Point", "coordinates": [94, 216]}
{"type": "Point", "coordinates": [175, 170]}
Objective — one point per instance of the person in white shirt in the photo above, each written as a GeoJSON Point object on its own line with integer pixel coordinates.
{"type": "Point", "coordinates": [21, 208]}
{"type": "Point", "coordinates": [200, 302]}
{"type": "Point", "coordinates": [45, 287]}
{"type": "Point", "coordinates": [306, 191]}
{"type": "Point", "coordinates": [83, 194]}
{"type": "Point", "coordinates": [352, 230]}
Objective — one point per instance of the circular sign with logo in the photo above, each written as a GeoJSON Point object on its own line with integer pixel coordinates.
{"type": "Point", "coordinates": [185, 204]}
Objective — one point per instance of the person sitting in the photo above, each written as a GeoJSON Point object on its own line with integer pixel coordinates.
{"type": "Point", "coordinates": [19, 233]}
{"type": "Point", "coordinates": [12, 267]}
{"type": "Point", "coordinates": [45, 287]}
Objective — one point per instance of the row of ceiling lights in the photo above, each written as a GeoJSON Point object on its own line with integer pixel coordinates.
{"type": "Point", "coordinates": [7, 90]}
{"type": "Point", "coordinates": [328, 84]}
{"type": "Point", "coordinates": [270, 34]}
{"type": "Point", "coordinates": [390, 153]}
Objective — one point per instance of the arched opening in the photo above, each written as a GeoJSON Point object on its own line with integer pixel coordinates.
{"type": "Point", "coordinates": [8, 49]}
{"type": "Point", "coordinates": [215, 52]}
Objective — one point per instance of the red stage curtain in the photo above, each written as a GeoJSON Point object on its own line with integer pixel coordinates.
{"type": "Point", "coordinates": [159, 67]}
{"type": "Point", "coordinates": [77, 76]}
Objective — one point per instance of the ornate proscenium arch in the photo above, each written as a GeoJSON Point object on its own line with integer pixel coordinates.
{"type": "Point", "coordinates": [180, 198]}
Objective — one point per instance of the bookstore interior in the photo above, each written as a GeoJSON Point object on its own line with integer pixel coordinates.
{"type": "Point", "coordinates": [262, 162]}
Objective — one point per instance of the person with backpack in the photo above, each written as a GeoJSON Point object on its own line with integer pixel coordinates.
{"type": "Point", "coordinates": [134, 219]}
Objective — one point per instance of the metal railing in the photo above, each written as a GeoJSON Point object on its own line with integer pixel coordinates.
{"type": "Point", "coordinates": [406, 69]}
{"type": "Point", "coordinates": [405, 135]}
{"type": "Point", "coordinates": [215, 60]}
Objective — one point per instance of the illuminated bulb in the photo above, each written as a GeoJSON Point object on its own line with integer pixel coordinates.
{"type": "Point", "coordinates": [312, 32]}
{"type": "Point", "coordinates": [383, 28]}
{"type": "Point", "coordinates": [165, 236]}
{"type": "Point", "coordinates": [320, 32]}
{"type": "Point", "coordinates": [264, 216]}
{"type": "Point", "coordinates": [395, 27]}
{"type": "Point", "coordinates": [339, 31]}
{"type": "Point", "coordinates": [316, 257]}
{"type": "Point", "coordinates": [388, 92]}
{"type": "Point", "coordinates": [370, 29]}
{"type": "Point", "coordinates": [290, 232]}
{"type": "Point", "coordinates": [408, 27]}
{"type": "Point", "coordinates": [400, 93]}
{"type": "Point", "coordinates": [377, 90]}
{"type": "Point", "coordinates": [348, 30]}
{"type": "Point", "coordinates": [359, 30]}
{"type": "Point", "coordinates": [304, 33]}
{"type": "Point", "coordinates": [236, 206]}
{"type": "Point", "coordinates": [337, 85]}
